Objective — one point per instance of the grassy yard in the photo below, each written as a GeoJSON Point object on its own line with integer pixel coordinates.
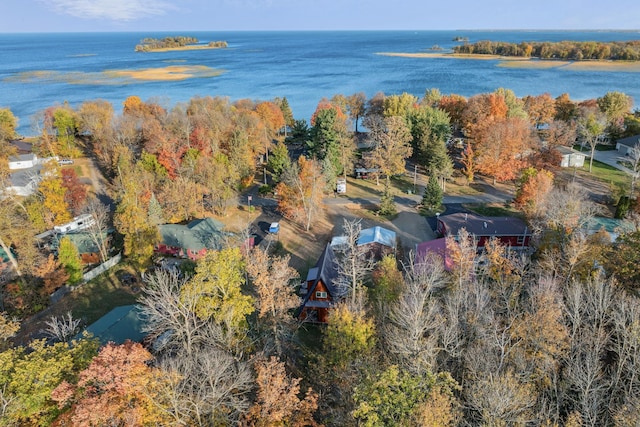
{"type": "Point", "coordinates": [89, 302]}
{"type": "Point", "coordinates": [99, 296]}
{"type": "Point", "coordinates": [493, 209]}
{"type": "Point", "coordinates": [606, 174]}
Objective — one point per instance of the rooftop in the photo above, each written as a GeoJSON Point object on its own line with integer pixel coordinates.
{"type": "Point", "coordinates": [484, 225]}
{"type": "Point", "coordinates": [197, 235]}
{"type": "Point", "coordinates": [629, 141]}
{"type": "Point", "coordinates": [119, 325]}
{"type": "Point", "coordinates": [377, 235]}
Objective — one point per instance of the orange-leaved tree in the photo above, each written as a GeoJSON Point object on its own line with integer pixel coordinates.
{"type": "Point", "coordinates": [115, 389]}
{"type": "Point", "coordinates": [533, 187]}
{"type": "Point", "coordinates": [278, 400]}
{"type": "Point", "coordinates": [301, 191]}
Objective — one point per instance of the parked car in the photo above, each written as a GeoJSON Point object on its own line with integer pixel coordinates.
{"type": "Point", "coordinates": [274, 228]}
{"type": "Point", "coordinates": [65, 162]}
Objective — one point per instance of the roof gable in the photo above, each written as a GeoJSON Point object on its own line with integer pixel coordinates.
{"type": "Point", "coordinates": [197, 235]}
{"type": "Point", "coordinates": [629, 141]}
{"type": "Point", "coordinates": [377, 235]}
{"type": "Point", "coordinates": [119, 325]}
{"type": "Point", "coordinates": [325, 271]}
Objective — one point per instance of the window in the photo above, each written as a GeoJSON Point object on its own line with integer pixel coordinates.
{"type": "Point", "coordinates": [321, 294]}
{"type": "Point", "coordinates": [520, 240]}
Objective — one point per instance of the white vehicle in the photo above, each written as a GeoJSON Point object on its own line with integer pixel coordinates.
{"type": "Point", "coordinates": [65, 162]}
{"type": "Point", "coordinates": [79, 223]}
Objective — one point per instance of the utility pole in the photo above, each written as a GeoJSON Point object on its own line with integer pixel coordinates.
{"type": "Point", "coordinates": [415, 177]}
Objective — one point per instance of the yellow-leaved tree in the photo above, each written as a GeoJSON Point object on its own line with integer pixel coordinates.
{"type": "Point", "coordinates": [216, 287]}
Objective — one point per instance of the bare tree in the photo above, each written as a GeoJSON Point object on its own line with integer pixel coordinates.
{"type": "Point", "coordinates": [62, 328]}
{"type": "Point", "coordinates": [354, 264]}
{"type": "Point", "coordinates": [271, 278]}
{"type": "Point", "coordinates": [412, 333]}
{"type": "Point", "coordinates": [208, 387]}
{"type": "Point", "coordinates": [501, 399]}
{"type": "Point", "coordinates": [98, 229]}
{"type": "Point", "coordinates": [634, 159]}
{"type": "Point", "coordinates": [170, 317]}
{"type": "Point", "coordinates": [588, 310]}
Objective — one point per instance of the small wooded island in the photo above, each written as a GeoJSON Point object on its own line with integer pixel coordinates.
{"type": "Point", "coordinates": [567, 50]}
{"type": "Point", "coordinates": [176, 43]}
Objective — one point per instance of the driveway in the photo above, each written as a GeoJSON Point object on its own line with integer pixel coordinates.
{"type": "Point", "coordinates": [611, 158]}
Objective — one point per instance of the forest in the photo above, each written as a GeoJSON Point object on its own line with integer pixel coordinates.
{"type": "Point", "coordinates": [492, 337]}
{"type": "Point", "coordinates": [568, 50]}
{"type": "Point", "coordinates": [150, 44]}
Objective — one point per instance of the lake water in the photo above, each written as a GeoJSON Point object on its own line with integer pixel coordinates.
{"type": "Point", "coordinates": [41, 70]}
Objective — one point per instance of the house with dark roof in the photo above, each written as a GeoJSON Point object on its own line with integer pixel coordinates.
{"type": "Point", "coordinates": [510, 231]}
{"type": "Point", "coordinates": [320, 290]}
{"type": "Point", "coordinates": [123, 323]}
{"type": "Point", "coordinates": [625, 145]}
{"type": "Point", "coordinates": [191, 240]}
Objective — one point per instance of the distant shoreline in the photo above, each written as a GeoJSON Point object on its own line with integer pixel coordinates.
{"type": "Point", "coordinates": [519, 62]}
{"type": "Point", "coordinates": [187, 47]}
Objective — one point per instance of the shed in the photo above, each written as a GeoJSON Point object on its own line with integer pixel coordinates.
{"type": "Point", "coordinates": [119, 325]}
{"type": "Point", "coordinates": [571, 158]}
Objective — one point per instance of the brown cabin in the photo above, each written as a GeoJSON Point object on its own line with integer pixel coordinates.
{"type": "Point", "coordinates": [321, 290]}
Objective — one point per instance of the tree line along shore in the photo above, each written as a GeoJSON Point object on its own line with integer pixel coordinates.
{"type": "Point", "coordinates": [494, 337]}
{"type": "Point", "coordinates": [175, 43]}
{"type": "Point", "coordinates": [567, 50]}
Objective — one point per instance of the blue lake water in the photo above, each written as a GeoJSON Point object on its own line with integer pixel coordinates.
{"type": "Point", "coordinates": [302, 66]}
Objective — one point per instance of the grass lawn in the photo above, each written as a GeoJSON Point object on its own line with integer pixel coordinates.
{"type": "Point", "coordinates": [89, 302]}
{"type": "Point", "coordinates": [607, 174]}
{"type": "Point", "coordinates": [99, 296]}
{"type": "Point", "coordinates": [493, 209]}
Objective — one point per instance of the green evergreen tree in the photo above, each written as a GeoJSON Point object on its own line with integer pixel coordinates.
{"type": "Point", "coordinates": [70, 259]}
{"type": "Point", "coordinates": [325, 138]}
{"type": "Point", "coordinates": [286, 111]}
{"type": "Point", "coordinates": [432, 198]}
{"type": "Point", "coordinates": [154, 212]}
{"type": "Point", "coordinates": [387, 205]}
{"type": "Point", "coordinates": [279, 160]}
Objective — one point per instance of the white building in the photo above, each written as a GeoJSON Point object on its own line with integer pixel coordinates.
{"type": "Point", "coordinates": [571, 158]}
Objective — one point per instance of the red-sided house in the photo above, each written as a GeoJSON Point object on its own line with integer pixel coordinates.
{"type": "Point", "coordinates": [426, 251]}
{"type": "Point", "coordinates": [191, 240]}
{"type": "Point", "coordinates": [321, 290]}
{"type": "Point", "coordinates": [510, 231]}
